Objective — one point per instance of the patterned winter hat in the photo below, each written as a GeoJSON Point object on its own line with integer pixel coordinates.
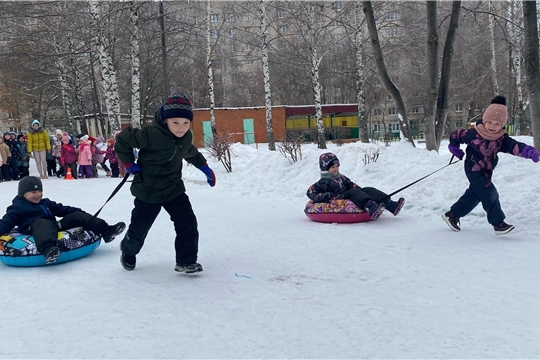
{"type": "Point", "coordinates": [327, 160]}
{"type": "Point", "coordinates": [177, 105]}
{"type": "Point", "coordinates": [29, 183]}
{"type": "Point", "coordinates": [496, 111]}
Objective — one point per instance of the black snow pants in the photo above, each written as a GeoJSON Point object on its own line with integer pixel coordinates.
{"type": "Point", "coordinates": [45, 232]}
{"type": "Point", "coordinates": [360, 196]}
{"type": "Point", "coordinates": [185, 225]}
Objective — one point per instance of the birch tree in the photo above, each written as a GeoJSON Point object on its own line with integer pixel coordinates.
{"type": "Point", "coordinates": [135, 69]}
{"type": "Point", "coordinates": [360, 74]}
{"type": "Point", "coordinates": [266, 74]}
{"type": "Point", "coordinates": [108, 72]}
{"type": "Point", "coordinates": [515, 34]}
{"type": "Point", "coordinates": [210, 70]}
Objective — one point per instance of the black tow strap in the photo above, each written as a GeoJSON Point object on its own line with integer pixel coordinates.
{"type": "Point", "coordinates": [422, 178]}
{"type": "Point", "coordinates": [113, 193]}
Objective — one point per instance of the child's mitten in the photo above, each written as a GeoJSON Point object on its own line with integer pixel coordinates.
{"type": "Point", "coordinates": [529, 152]}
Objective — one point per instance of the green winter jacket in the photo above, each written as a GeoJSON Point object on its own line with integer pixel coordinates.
{"type": "Point", "coordinates": [160, 158]}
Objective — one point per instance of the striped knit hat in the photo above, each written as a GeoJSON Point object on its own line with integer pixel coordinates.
{"type": "Point", "coordinates": [177, 105]}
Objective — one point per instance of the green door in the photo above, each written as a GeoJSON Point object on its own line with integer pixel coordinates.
{"type": "Point", "coordinates": [249, 131]}
{"type": "Point", "coordinates": [207, 132]}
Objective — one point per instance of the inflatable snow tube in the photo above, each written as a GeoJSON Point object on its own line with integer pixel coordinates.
{"type": "Point", "coordinates": [337, 211]}
{"type": "Point", "coordinates": [20, 250]}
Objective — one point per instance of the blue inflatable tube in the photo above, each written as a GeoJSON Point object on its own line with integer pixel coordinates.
{"type": "Point", "coordinates": [20, 250]}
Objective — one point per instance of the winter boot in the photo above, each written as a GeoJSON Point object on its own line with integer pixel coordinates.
{"type": "Point", "coordinates": [108, 173]}
{"type": "Point", "coordinates": [113, 231]}
{"type": "Point", "coordinates": [374, 210]}
{"type": "Point", "coordinates": [503, 228]}
{"type": "Point", "coordinates": [51, 254]}
{"type": "Point", "coordinates": [394, 206]}
{"type": "Point", "coordinates": [188, 268]}
{"type": "Point", "coordinates": [451, 220]}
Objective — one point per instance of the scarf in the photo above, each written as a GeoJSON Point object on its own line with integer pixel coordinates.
{"type": "Point", "coordinates": [329, 175]}
{"type": "Point", "coordinates": [486, 135]}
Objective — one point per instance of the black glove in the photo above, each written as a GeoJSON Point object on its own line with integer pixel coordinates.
{"type": "Point", "coordinates": [323, 198]}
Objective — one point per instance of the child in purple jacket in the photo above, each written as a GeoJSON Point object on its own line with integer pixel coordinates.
{"type": "Point", "coordinates": [488, 138]}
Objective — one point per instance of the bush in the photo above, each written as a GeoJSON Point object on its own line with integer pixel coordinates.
{"type": "Point", "coordinates": [220, 148]}
{"type": "Point", "coordinates": [291, 145]}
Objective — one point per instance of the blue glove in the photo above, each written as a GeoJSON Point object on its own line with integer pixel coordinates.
{"type": "Point", "coordinates": [133, 168]}
{"type": "Point", "coordinates": [210, 176]}
{"type": "Point", "coordinates": [456, 151]}
{"type": "Point", "coordinates": [529, 152]}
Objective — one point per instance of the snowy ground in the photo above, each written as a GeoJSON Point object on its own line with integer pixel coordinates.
{"type": "Point", "coordinates": [277, 285]}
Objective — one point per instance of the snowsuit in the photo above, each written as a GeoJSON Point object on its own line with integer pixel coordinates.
{"type": "Point", "coordinates": [68, 159]}
{"type": "Point", "coordinates": [341, 187]}
{"type": "Point", "coordinates": [15, 155]}
{"type": "Point", "coordinates": [39, 220]}
{"type": "Point", "coordinates": [24, 159]}
{"type": "Point", "coordinates": [85, 161]}
{"type": "Point", "coordinates": [480, 162]}
{"type": "Point", "coordinates": [113, 159]}
{"type": "Point", "coordinates": [159, 185]}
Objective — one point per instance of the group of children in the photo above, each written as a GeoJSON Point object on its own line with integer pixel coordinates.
{"type": "Point", "coordinates": [158, 184]}
{"type": "Point", "coordinates": [14, 157]}
{"type": "Point", "coordinates": [90, 153]}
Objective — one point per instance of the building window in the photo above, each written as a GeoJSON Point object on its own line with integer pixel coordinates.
{"type": "Point", "coordinates": [213, 33]}
{"type": "Point", "coordinates": [198, 20]}
{"type": "Point", "coordinates": [377, 112]}
{"type": "Point", "coordinates": [392, 111]}
{"type": "Point", "coordinates": [281, 14]}
{"type": "Point", "coordinates": [218, 78]}
{"type": "Point", "coordinates": [231, 32]}
{"type": "Point", "coordinates": [247, 16]}
{"type": "Point", "coordinates": [336, 23]}
{"type": "Point", "coordinates": [393, 127]}
{"type": "Point", "coordinates": [392, 16]}
{"type": "Point", "coordinates": [393, 63]}
{"type": "Point", "coordinates": [213, 18]}
{"type": "Point", "coordinates": [392, 32]}
{"type": "Point", "coordinates": [339, 37]}
{"type": "Point", "coordinates": [216, 62]}
{"type": "Point", "coordinates": [319, 24]}
{"type": "Point", "coordinates": [319, 8]}
{"type": "Point", "coordinates": [415, 110]}
{"type": "Point", "coordinates": [230, 17]}
{"type": "Point", "coordinates": [377, 127]}
{"type": "Point", "coordinates": [249, 47]}
{"type": "Point", "coordinates": [336, 6]}
{"type": "Point", "coordinates": [458, 107]}
{"type": "Point", "coordinates": [282, 29]}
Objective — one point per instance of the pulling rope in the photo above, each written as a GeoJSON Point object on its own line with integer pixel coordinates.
{"type": "Point", "coordinates": [422, 178]}
{"type": "Point", "coordinates": [113, 193]}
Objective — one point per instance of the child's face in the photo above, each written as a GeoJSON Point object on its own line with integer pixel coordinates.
{"type": "Point", "coordinates": [35, 126]}
{"type": "Point", "coordinates": [334, 169]}
{"type": "Point", "coordinates": [59, 136]}
{"type": "Point", "coordinates": [178, 126]}
{"type": "Point", "coordinates": [7, 137]}
{"type": "Point", "coordinates": [33, 196]}
{"type": "Point", "coordinates": [492, 126]}
{"type": "Point", "coordinates": [65, 141]}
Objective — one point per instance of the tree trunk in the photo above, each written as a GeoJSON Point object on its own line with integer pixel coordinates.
{"type": "Point", "coordinates": [532, 64]}
{"type": "Point", "coordinates": [442, 100]}
{"type": "Point", "coordinates": [433, 67]}
{"type": "Point", "coordinates": [321, 140]}
{"type": "Point", "coordinates": [266, 74]}
{"type": "Point", "coordinates": [494, 80]}
{"type": "Point", "coordinates": [383, 73]}
{"type": "Point", "coordinates": [166, 87]}
{"type": "Point", "coordinates": [108, 73]}
{"type": "Point", "coordinates": [360, 75]}
{"type": "Point", "coordinates": [135, 69]}
{"type": "Point", "coordinates": [210, 71]}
